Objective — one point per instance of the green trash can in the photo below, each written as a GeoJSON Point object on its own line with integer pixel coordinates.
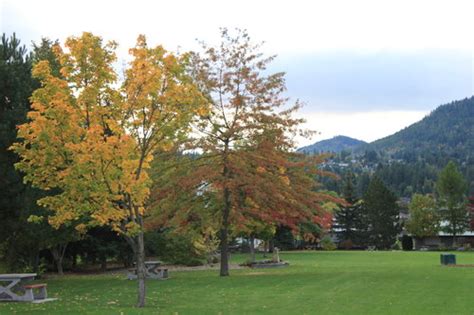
{"type": "Point", "coordinates": [448, 259]}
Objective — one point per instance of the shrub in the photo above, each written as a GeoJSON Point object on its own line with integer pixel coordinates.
{"type": "Point", "coordinates": [173, 248]}
{"type": "Point", "coordinates": [397, 245]}
{"type": "Point", "coordinates": [327, 243]}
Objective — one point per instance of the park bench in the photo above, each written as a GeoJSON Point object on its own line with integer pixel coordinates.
{"type": "Point", "coordinates": [41, 291]}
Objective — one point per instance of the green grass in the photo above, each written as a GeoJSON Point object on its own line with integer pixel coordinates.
{"type": "Point", "coordinates": [315, 283]}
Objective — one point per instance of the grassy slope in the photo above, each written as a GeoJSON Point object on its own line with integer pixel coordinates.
{"type": "Point", "coordinates": [315, 283]}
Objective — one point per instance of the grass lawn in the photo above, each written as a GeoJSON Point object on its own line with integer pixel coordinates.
{"type": "Point", "coordinates": [338, 282]}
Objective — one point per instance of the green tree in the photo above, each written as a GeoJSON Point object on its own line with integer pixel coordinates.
{"type": "Point", "coordinates": [424, 217]}
{"type": "Point", "coordinates": [451, 187]}
{"type": "Point", "coordinates": [23, 238]}
{"type": "Point", "coordinates": [381, 214]}
{"type": "Point", "coordinates": [17, 199]}
{"type": "Point", "coordinates": [16, 86]}
{"type": "Point", "coordinates": [349, 217]}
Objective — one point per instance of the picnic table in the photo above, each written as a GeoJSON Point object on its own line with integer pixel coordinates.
{"type": "Point", "coordinates": [153, 270]}
{"type": "Point", "coordinates": [12, 287]}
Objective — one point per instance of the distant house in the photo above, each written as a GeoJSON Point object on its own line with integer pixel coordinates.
{"type": "Point", "coordinates": [444, 240]}
{"type": "Point", "coordinates": [441, 240]}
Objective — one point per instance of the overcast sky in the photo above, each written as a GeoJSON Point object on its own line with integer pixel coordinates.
{"type": "Point", "coordinates": [365, 69]}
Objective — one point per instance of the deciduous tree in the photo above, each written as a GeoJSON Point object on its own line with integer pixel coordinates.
{"type": "Point", "coordinates": [424, 217]}
{"type": "Point", "coordinates": [90, 142]}
{"type": "Point", "coordinates": [246, 141]}
{"type": "Point", "coordinates": [451, 188]}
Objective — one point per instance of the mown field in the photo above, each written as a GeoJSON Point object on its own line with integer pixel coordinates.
{"type": "Point", "coordinates": [338, 282]}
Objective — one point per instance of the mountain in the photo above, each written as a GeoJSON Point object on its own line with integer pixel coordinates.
{"type": "Point", "coordinates": [447, 132]}
{"type": "Point", "coordinates": [409, 161]}
{"type": "Point", "coordinates": [336, 145]}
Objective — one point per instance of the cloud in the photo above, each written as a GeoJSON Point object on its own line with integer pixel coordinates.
{"type": "Point", "coordinates": [345, 80]}
{"type": "Point", "coordinates": [287, 26]}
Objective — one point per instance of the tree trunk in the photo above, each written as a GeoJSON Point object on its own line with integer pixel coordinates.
{"type": "Point", "coordinates": [74, 262]}
{"type": "Point", "coordinates": [59, 264]}
{"type": "Point", "coordinates": [103, 263]}
{"type": "Point", "coordinates": [36, 260]}
{"type": "Point", "coordinates": [58, 252]}
{"type": "Point", "coordinates": [141, 272]}
{"type": "Point", "coordinates": [138, 247]}
{"type": "Point", "coordinates": [252, 248]}
{"type": "Point", "coordinates": [454, 229]}
{"type": "Point", "coordinates": [271, 246]}
{"type": "Point", "coordinates": [224, 235]}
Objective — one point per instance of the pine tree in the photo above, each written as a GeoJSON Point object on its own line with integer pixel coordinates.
{"type": "Point", "coordinates": [16, 86]}
{"type": "Point", "coordinates": [349, 217]}
{"type": "Point", "coordinates": [381, 211]}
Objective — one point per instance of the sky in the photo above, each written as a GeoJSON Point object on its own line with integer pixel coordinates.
{"type": "Point", "coordinates": [364, 69]}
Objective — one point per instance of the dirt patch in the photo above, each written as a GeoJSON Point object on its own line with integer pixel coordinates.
{"type": "Point", "coordinates": [203, 267]}
{"type": "Point", "coordinates": [254, 273]}
{"type": "Point", "coordinates": [121, 270]}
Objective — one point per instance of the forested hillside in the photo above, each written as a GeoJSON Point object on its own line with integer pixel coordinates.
{"type": "Point", "coordinates": [448, 132]}
{"type": "Point", "coordinates": [409, 160]}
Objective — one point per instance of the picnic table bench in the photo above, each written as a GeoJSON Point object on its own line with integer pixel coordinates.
{"type": "Point", "coordinates": [153, 270]}
{"type": "Point", "coordinates": [41, 293]}
{"type": "Point", "coordinates": [13, 287]}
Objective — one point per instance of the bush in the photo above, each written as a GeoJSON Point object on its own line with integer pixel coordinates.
{"type": "Point", "coordinates": [327, 243]}
{"type": "Point", "coordinates": [397, 245]}
{"type": "Point", "coordinates": [173, 248]}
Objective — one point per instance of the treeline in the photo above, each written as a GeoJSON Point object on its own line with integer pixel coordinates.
{"type": "Point", "coordinates": [374, 218]}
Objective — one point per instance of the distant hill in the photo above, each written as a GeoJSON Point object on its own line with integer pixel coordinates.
{"type": "Point", "coordinates": [410, 160]}
{"type": "Point", "coordinates": [336, 145]}
{"type": "Point", "coordinates": [446, 133]}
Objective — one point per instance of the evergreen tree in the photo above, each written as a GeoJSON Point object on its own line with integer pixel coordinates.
{"type": "Point", "coordinates": [451, 188]}
{"type": "Point", "coordinates": [349, 217]}
{"type": "Point", "coordinates": [24, 235]}
{"type": "Point", "coordinates": [381, 214]}
{"type": "Point", "coordinates": [363, 181]}
{"type": "Point", "coordinates": [16, 86]}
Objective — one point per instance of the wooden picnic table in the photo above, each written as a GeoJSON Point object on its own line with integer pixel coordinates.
{"type": "Point", "coordinates": [12, 286]}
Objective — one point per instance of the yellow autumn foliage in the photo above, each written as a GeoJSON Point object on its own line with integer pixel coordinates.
{"type": "Point", "coordinates": [92, 138]}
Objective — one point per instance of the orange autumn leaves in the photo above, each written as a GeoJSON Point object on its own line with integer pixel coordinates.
{"type": "Point", "coordinates": [90, 139]}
